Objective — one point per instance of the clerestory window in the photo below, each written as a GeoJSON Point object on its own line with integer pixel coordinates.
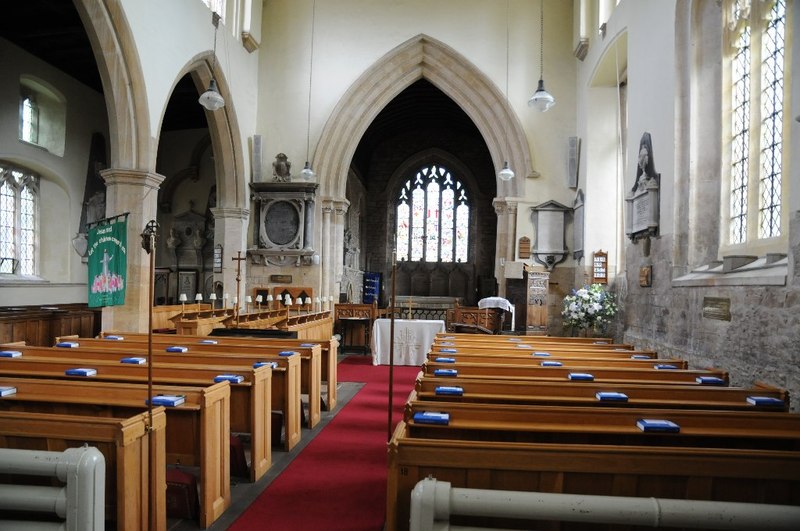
{"type": "Point", "coordinates": [756, 39]}
{"type": "Point", "coordinates": [433, 211]}
{"type": "Point", "coordinates": [18, 215]}
{"type": "Point", "coordinates": [28, 118]}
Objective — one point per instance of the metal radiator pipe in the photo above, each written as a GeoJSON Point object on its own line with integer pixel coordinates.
{"type": "Point", "coordinates": [433, 501]}
{"type": "Point", "coordinates": [33, 498]}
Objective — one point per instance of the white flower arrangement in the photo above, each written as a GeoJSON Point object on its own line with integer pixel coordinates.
{"type": "Point", "coordinates": [589, 307]}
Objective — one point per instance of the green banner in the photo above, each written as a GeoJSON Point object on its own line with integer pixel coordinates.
{"type": "Point", "coordinates": [108, 263]}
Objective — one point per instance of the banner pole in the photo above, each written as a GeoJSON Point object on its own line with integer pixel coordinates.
{"type": "Point", "coordinates": [391, 347]}
{"type": "Point", "coordinates": [149, 245]}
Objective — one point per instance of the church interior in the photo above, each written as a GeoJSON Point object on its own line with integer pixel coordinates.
{"type": "Point", "coordinates": [574, 177]}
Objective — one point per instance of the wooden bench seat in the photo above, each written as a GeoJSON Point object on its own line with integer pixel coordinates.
{"type": "Point", "coordinates": [197, 431]}
{"type": "Point", "coordinates": [564, 393]}
{"type": "Point", "coordinates": [328, 363]}
{"type": "Point", "coordinates": [736, 475]}
{"type": "Point", "coordinates": [454, 336]}
{"type": "Point", "coordinates": [307, 373]}
{"type": "Point", "coordinates": [283, 382]}
{"type": "Point", "coordinates": [606, 425]}
{"type": "Point", "coordinates": [600, 374]}
{"type": "Point", "coordinates": [587, 360]}
{"type": "Point", "coordinates": [553, 350]}
{"type": "Point", "coordinates": [134, 452]}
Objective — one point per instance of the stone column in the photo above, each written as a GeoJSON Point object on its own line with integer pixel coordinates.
{"type": "Point", "coordinates": [505, 217]}
{"type": "Point", "coordinates": [326, 261]}
{"type": "Point", "coordinates": [308, 232]}
{"type": "Point", "coordinates": [135, 192]}
{"type": "Point", "coordinates": [230, 229]}
{"type": "Point", "coordinates": [340, 207]}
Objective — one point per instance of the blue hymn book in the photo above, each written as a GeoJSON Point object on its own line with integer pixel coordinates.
{"type": "Point", "coordinates": [176, 348]}
{"type": "Point", "coordinates": [167, 400]}
{"type": "Point", "coordinates": [431, 417]}
{"type": "Point", "coordinates": [657, 425]}
{"type": "Point", "coordinates": [450, 390]}
{"type": "Point", "coordinates": [80, 372]}
{"type": "Point", "coordinates": [232, 378]}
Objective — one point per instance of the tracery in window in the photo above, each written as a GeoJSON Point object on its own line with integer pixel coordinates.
{"type": "Point", "coordinates": [18, 207]}
{"type": "Point", "coordinates": [432, 217]}
{"type": "Point", "coordinates": [757, 41]}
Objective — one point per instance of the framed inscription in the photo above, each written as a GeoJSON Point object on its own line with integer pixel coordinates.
{"type": "Point", "coordinates": [717, 308]}
{"type": "Point", "coordinates": [218, 258]}
{"type": "Point", "coordinates": [600, 267]}
{"type": "Point", "coordinates": [646, 276]}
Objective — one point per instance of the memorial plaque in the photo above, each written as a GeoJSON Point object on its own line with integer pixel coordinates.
{"type": "Point", "coordinates": [282, 222]}
{"type": "Point", "coordinates": [641, 212]}
{"type": "Point", "coordinates": [717, 308]}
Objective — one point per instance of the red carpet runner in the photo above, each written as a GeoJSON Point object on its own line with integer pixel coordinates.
{"type": "Point", "coordinates": [338, 482]}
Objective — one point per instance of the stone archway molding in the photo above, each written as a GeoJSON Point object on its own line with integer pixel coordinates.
{"type": "Point", "coordinates": [123, 84]}
{"type": "Point", "coordinates": [422, 57]}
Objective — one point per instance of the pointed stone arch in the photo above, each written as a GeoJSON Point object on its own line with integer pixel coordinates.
{"type": "Point", "coordinates": [123, 86]}
{"type": "Point", "coordinates": [453, 74]}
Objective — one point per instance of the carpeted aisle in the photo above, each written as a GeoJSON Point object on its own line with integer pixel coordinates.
{"type": "Point", "coordinates": [338, 482]}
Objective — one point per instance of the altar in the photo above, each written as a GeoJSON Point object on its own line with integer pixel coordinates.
{"type": "Point", "coordinates": [412, 340]}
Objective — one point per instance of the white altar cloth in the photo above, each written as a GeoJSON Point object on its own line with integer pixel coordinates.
{"type": "Point", "coordinates": [498, 302]}
{"type": "Point", "coordinates": [412, 340]}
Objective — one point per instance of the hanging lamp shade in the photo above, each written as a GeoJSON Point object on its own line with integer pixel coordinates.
{"type": "Point", "coordinates": [541, 99]}
{"type": "Point", "coordinates": [506, 174]}
{"type": "Point", "coordinates": [307, 173]}
{"type": "Point", "coordinates": [212, 99]}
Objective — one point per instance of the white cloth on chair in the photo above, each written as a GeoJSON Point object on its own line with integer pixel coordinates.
{"type": "Point", "coordinates": [498, 302]}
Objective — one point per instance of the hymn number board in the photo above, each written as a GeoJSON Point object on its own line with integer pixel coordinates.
{"type": "Point", "coordinates": [600, 268]}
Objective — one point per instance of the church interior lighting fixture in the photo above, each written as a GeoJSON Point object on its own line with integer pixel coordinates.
{"type": "Point", "coordinates": [506, 174]}
{"type": "Point", "coordinates": [307, 173]}
{"type": "Point", "coordinates": [541, 99]}
{"type": "Point", "coordinates": [211, 99]}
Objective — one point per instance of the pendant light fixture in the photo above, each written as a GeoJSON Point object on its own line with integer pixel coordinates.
{"type": "Point", "coordinates": [506, 174]}
{"type": "Point", "coordinates": [541, 99]}
{"type": "Point", "coordinates": [212, 99]}
{"type": "Point", "coordinates": [307, 173]}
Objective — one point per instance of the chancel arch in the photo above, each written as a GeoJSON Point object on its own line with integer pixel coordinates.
{"type": "Point", "coordinates": [419, 58]}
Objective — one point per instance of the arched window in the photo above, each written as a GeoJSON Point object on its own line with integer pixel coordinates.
{"type": "Point", "coordinates": [432, 217]}
{"type": "Point", "coordinates": [757, 49]}
{"type": "Point", "coordinates": [28, 118]}
{"type": "Point", "coordinates": [18, 209]}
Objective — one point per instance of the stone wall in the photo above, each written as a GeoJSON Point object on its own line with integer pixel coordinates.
{"type": "Point", "coordinates": [761, 342]}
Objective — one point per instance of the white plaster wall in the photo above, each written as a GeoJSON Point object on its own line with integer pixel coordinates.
{"type": "Point", "coordinates": [170, 37]}
{"type": "Point", "coordinates": [351, 35]}
{"type": "Point", "coordinates": [648, 27]}
{"type": "Point", "coordinates": [63, 177]}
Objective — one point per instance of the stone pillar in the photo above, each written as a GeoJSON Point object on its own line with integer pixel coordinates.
{"type": "Point", "coordinates": [308, 232]}
{"type": "Point", "coordinates": [135, 192]}
{"type": "Point", "coordinates": [340, 207]}
{"type": "Point", "coordinates": [230, 229]}
{"type": "Point", "coordinates": [504, 249]}
{"type": "Point", "coordinates": [326, 258]}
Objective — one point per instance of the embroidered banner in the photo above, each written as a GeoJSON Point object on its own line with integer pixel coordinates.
{"type": "Point", "coordinates": [108, 263]}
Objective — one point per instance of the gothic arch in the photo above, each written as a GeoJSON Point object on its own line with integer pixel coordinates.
{"type": "Point", "coordinates": [121, 74]}
{"type": "Point", "coordinates": [421, 57]}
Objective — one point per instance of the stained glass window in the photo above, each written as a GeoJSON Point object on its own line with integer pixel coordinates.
{"type": "Point", "coordinates": [756, 118]}
{"type": "Point", "coordinates": [432, 217]}
{"type": "Point", "coordinates": [18, 205]}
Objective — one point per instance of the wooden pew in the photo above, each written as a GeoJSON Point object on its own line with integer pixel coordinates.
{"type": "Point", "coordinates": [250, 400]}
{"type": "Point", "coordinates": [163, 314]}
{"type": "Point", "coordinates": [565, 394]}
{"type": "Point", "coordinates": [606, 425]}
{"type": "Point", "coordinates": [200, 321]}
{"type": "Point", "coordinates": [309, 371]}
{"type": "Point", "coordinates": [564, 342]}
{"type": "Point", "coordinates": [544, 351]}
{"type": "Point", "coordinates": [588, 360]}
{"type": "Point", "coordinates": [259, 319]}
{"type": "Point", "coordinates": [600, 374]}
{"type": "Point", "coordinates": [132, 447]}
{"type": "Point", "coordinates": [197, 431]}
{"type": "Point", "coordinates": [736, 475]}
{"type": "Point", "coordinates": [288, 367]}
{"type": "Point", "coordinates": [309, 325]}
{"type": "Point", "coordinates": [328, 362]}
